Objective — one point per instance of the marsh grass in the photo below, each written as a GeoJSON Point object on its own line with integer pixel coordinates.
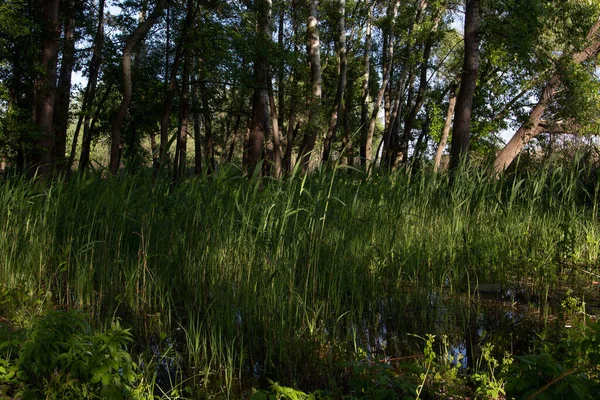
{"type": "Point", "coordinates": [288, 278]}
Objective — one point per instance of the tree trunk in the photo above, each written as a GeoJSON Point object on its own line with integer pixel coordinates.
{"type": "Point", "coordinates": [364, 111]}
{"type": "Point", "coordinates": [179, 168]}
{"type": "Point", "coordinates": [442, 145]}
{"type": "Point", "coordinates": [276, 134]}
{"type": "Point", "coordinates": [468, 82]}
{"type": "Point", "coordinates": [347, 140]}
{"type": "Point", "coordinates": [259, 121]}
{"type": "Point", "coordinates": [314, 114]}
{"type": "Point", "coordinates": [386, 77]}
{"type": "Point", "coordinates": [45, 88]}
{"type": "Point", "coordinates": [339, 95]}
{"type": "Point", "coordinates": [134, 39]}
{"type": "Point", "coordinates": [531, 127]}
{"type": "Point", "coordinates": [209, 149]}
{"type": "Point", "coordinates": [91, 89]}
{"type": "Point", "coordinates": [63, 93]}
{"type": "Point", "coordinates": [420, 97]}
{"type": "Point", "coordinates": [197, 130]}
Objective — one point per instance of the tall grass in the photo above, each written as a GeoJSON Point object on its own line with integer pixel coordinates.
{"type": "Point", "coordinates": [254, 275]}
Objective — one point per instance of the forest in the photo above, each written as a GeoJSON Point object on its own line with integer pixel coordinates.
{"type": "Point", "coordinates": [299, 199]}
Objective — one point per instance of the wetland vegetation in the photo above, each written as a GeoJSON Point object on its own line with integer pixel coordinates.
{"type": "Point", "coordinates": [355, 286]}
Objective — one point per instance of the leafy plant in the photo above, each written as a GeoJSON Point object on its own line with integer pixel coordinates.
{"type": "Point", "coordinates": [60, 357]}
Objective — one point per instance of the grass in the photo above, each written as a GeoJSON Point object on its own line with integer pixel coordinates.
{"type": "Point", "coordinates": [287, 279]}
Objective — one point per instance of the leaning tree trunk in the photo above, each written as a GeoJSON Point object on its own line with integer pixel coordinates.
{"type": "Point", "coordinates": [134, 39]}
{"type": "Point", "coordinates": [63, 93]}
{"type": "Point", "coordinates": [531, 127]}
{"type": "Point", "coordinates": [91, 91]}
{"type": "Point", "coordinates": [314, 113]}
{"type": "Point", "coordinates": [339, 95]}
{"type": "Point", "coordinates": [45, 88]}
{"type": "Point", "coordinates": [442, 145]}
{"type": "Point", "coordinates": [259, 121]}
{"type": "Point", "coordinates": [468, 82]}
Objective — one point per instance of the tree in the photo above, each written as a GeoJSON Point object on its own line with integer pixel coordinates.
{"type": "Point", "coordinates": [131, 43]}
{"type": "Point", "coordinates": [468, 82]}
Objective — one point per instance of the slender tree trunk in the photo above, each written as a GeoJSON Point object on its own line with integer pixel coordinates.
{"type": "Point", "coordinates": [386, 77]}
{"type": "Point", "coordinates": [184, 116]}
{"type": "Point", "coordinates": [276, 134]}
{"type": "Point", "coordinates": [91, 91]}
{"type": "Point", "coordinates": [63, 93]}
{"type": "Point", "coordinates": [134, 39]}
{"type": "Point", "coordinates": [259, 121]}
{"type": "Point", "coordinates": [196, 108]}
{"type": "Point", "coordinates": [531, 127]}
{"type": "Point", "coordinates": [420, 97]}
{"type": "Point", "coordinates": [447, 124]}
{"type": "Point", "coordinates": [347, 140]}
{"type": "Point", "coordinates": [209, 149]}
{"type": "Point", "coordinates": [339, 95]}
{"type": "Point", "coordinates": [281, 72]}
{"type": "Point", "coordinates": [364, 112]}
{"type": "Point", "coordinates": [468, 82]}
{"type": "Point", "coordinates": [314, 114]}
{"type": "Point", "coordinates": [45, 88]}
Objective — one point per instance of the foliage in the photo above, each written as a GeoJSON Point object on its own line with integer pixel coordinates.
{"type": "Point", "coordinates": [59, 357]}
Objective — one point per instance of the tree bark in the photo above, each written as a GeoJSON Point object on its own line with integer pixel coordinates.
{"type": "Point", "coordinates": [347, 140]}
{"type": "Point", "coordinates": [386, 78]}
{"type": "Point", "coordinates": [339, 95]}
{"type": "Point", "coordinates": [364, 111]}
{"type": "Point", "coordinates": [409, 122]}
{"type": "Point", "coordinates": [531, 127]}
{"type": "Point", "coordinates": [468, 82]}
{"type": "Point", "coordinates": [45, 88]}
{"type": "Point", "coordinates": [63, 92]}
{"type": "Point", "coordinates": [134, 39]}
{"type": "Point", "coordinates": [276, 134]}
{"type": "Point", "coordinates": [209, 147]}
{"type": "Point", "coordinates": [314, 114]}
{"type": "Point", "coordinates": [197, 130]}
{"type": "Point", "coordinates": [90, 94]}
{"type": "Point", "coordinates": [442, 145]}
{"type": "Point", "coordinates": [184, 114]}
{"type": "Point", "coordinates": [259, 121]}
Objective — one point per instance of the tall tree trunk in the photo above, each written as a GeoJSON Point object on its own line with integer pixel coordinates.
{"type": "Point", "coordinates": [45, 87]}
{"type": "Point", "coordinates": [314, 114]}
{"type": "Point", "coordinates": [364, 111]}
{"type": "Point", "coordinates": [447, 124]}
{"type": "Point", "coordinates": [276, 134]}
{"type": "Point", "coordinates": [63, 93]}
{"type": "Point", "coordinates": [347, 140]}
{"type": "Point", "coordinates": [91, 90]}
{"type": "Point", "coordinates": [259, 121]}
{"type": "Point", "coordinates": [386, 78]}
{"type": "Point", "coordinates": [196, 109]}
{"type": "Point", "coordinates": [468, 82]}
{"type": "Point", "coordinates": [209, 147]}
{"type": "Point", "coordinates": [184, 115]}
{"type": "Point", "coordinates": [281, 72]}
{"type": "Point", "coordinates": [134, 39]}
{"type": "Point", "coordinates": [171, 84]}
{"type": "Point", "coordinates": [420, 97]}
{"type": "Point", "coordinates": [339, 95]}
{"type": "Point", "coordinates": [531, 127]}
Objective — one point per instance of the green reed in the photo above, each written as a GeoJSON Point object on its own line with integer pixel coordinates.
{"type": "Point", "coordinates": [263, 272]}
